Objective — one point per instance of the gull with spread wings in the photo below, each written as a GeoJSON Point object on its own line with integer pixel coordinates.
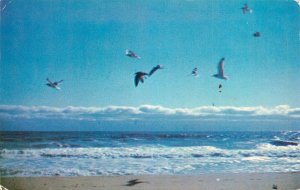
{"type": "Point", "coordinates": [220, 74]}
{"type": "Point", "coordinates": [131, 54]}
{"type": "Point", "coordinates": [53, 84]}
{"type": "Point", "coordinates": [195, 72]}
{"type": "Point", "coordinates": [246, 9]}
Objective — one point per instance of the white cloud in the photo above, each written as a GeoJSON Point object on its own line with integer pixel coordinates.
{"type": "Point", "coordinates": [150, 112]}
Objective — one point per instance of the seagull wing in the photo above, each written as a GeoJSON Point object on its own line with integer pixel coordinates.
{"type": "Point", "coordinates": [59, 81]}
{"type": "Point", "coordinates": [153, 70]}
{"type": "Point", "coordinates": [136, 80]}
{"type": "Point", "coordinates": [49, 81]}
{"type": "Point", "coordinates": [131, 53]}
{"type": "Point", "coordinates": [135, 55]}
{"type": "Point", "coordinates": [195, 72]}
{"type": "Point", "coordinates": [221, 68]}
{"type": "Point", "coordinates": [139, 76]}
{"type": "Point", "coordinates": [244, 11]}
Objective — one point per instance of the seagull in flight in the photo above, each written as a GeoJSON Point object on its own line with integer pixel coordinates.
{"type": "Point", "coordinates": [220, 74]}
{"type": "Point", "coordinates": [53, 84]}
{"type": "Point", "coordinates": [139, 76]}
{"type": "Point", "coordinates": [246, 9]}
{"type": "Point", "coordinates": [195, 72]}
{"type": "Point", "coordinates": [4, 4]}
{"type": "Point", "coordinates": [131, 54]}
{"type": "Point", "coordinates": [256, 34]}
{"type": "Point", "coordinates": [155, 69]}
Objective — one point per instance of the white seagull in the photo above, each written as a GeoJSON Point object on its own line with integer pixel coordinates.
{"type": "Point", "coordinates": [53, 84]}
{"type": "Point", "coordinates": [195, 72]}
{"type": "Point", "coordinates": [131, 54]}
{"type": "Point", "coordinates": [220, 74]}
{"type": "Point", "coordinates": [246, 9]}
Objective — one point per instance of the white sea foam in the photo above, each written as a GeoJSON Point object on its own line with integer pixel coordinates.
{"type": "Point", "coordinates": [257, 159]}
{"type": "Point", "coordinates": [155, 152]}
{"type": "Point", "coordinates": [147, 160]}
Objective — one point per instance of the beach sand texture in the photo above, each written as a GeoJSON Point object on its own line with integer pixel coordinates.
{"type": "Point", "coordinates": [261, 181]}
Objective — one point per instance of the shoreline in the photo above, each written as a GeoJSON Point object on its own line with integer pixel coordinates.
{"type": "Point", "coordinates": [224, 181]}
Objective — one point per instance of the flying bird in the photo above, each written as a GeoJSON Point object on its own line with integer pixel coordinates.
{"type": "Point", "coordinates": [53, 84]}
{"type": "Point", "coordinates": [4, 5]}
{"type": "Point", "coordinates": [131, 54]}
{"type": "Point", "coordinates": [220, 86]}
{"type": "Point", "coordinates": [246, 9]}
{"type": "Point", "coordinates": [220, 74]}
{"type": "Point", "coordinates": [155, 69]}
{"type": "Point", "coordinates": [256, 34]}
{"type": "Point", "coordinates": [195, 72]}
{"type": "Point", "coordinates": [139, 76]}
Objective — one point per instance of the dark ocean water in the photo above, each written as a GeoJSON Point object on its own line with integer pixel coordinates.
{"type": "Point", "coordinates": [125, 153]}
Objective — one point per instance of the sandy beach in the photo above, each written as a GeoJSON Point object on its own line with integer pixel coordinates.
{"type": "Point", "coordinates": [259, 181]}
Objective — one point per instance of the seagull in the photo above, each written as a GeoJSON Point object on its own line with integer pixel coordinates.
{"type": "Point", "coordinates": [220, 86]}
{"type": "Point", "coordinates": [155, 69]}
{"type": "Point", "coordinates": [5, 5]}
{"type": "Point", "coordinates": [131, 54]}
{"type": "Point", "coordinates": [256, 34]}
{"type": "Point", "coordinates": [195, 72]}
{"type": "Point", "coordinates": [139, 76]}
{"type": "Point", "coordinates": [53, 84]}
{"type": "Point", "coordinates": [220, 74]}
{"type": "Point", "coordinates": [246, 9]}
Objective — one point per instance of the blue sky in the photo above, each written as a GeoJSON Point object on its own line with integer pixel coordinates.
{"type": "Point", "coordinates": [83, 42]}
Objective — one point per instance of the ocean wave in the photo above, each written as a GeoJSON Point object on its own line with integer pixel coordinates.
{"type": "Point", "coordinates": [182, 135]}
{"type": "Point", "coordinates": [264, 149]}
{"type": "Point", "coordinates": [145, 160]}
{"type": "Point", "coordinates": [283, 143]}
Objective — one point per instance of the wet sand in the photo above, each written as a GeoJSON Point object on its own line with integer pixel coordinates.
{"type": "Point", "coordinates": [257, 181]}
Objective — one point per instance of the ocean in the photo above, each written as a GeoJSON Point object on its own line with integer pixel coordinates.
{"type": "Point", "coordinates": [147, 153]}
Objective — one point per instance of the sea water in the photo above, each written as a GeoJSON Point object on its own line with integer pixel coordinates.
{"type": "Point", "coordinates": [147, 153]}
